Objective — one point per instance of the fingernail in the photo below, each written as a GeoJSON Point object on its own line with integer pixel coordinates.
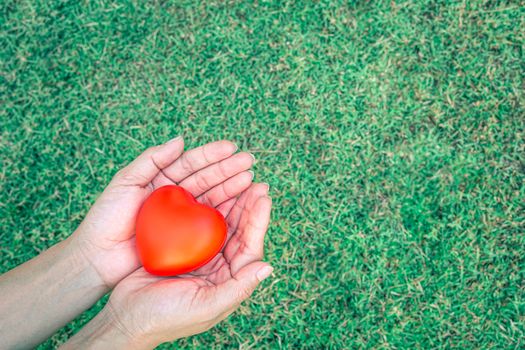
{"type": "Point", "coordinates": [267, 185]}
{"type": "Point", "coordinates": [264, 273]}
{"type": "Point", "coordinates": [175, 139]}
{"type": "Point", "coordinates": [251, 154]}
{"type": "Point", "coordinates": [251, 172]}
{"type": "Point", "coordinates": [236, 146]}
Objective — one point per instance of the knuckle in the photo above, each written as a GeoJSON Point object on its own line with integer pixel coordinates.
{"type": "Point", "coordinates": [226, 191]}
{"type": "Point", "coordinates": [244, 293]}
{"type": "Point", "coordinates": [221, 171]}
{"type": "Point", "coordinates": [202, 182]}
{"type": "Point", "coordinates": [151, 150]}
{"type": "Point", "coordinates": [186, 164]}
{"type": "Point", "coordinates": [205, 199]}
{"type": "Point", "coordinates": [243, 247]}
{"type": "Point", "coordinates": [121, 173]}
{"type": "Point", "coordinates": [124, 176]}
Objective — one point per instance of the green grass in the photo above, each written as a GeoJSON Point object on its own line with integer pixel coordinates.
{"type": "Point", "coordinates": [391, 133]}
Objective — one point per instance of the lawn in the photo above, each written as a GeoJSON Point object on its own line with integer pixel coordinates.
{"type": "Point", "coordinates": [391, 133]}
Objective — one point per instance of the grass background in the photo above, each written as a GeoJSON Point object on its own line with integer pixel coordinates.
{"type": "Point", "coordinates": [391, 133]}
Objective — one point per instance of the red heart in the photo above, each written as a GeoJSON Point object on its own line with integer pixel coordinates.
{"type": "Point", "coordinates": [176, 234]}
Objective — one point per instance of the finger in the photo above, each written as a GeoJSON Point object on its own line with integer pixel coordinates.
{"type": "Point", "coordinates": [161, 180]}
{"type": "Point", "coordinates": [246, 200]}
{"type": "Point", "coordinates": [151, 162]}
{"type": "Point", "coordinates": [231, 293]}
{"type": "Point", "coordinates": [226, 207]}
{"type": "Point", "coordinates": [230, 188]}
{"type": "Point", "coordinates": [248, 245]}
{"type": "Point", "coordinates": [199, 158]}
{"type": "Point", "coordinates": [139, 279]}
{"type": "Point", "coordinates": [205, 179]}
{"type": "Point", "coordinates": [257, 226]}
{"type": "Point", "coordinates": [221, 275]}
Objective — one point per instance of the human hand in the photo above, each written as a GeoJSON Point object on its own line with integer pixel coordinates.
{"type": "Point", "coordinates": [212, 173]}
{"type": "Point", "coordinates": [145, 310]}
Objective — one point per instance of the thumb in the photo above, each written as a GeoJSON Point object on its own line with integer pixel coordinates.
{"type": "Point", "coordinates": [241, 286]}
{"type": "Point", "coordinates": [145, 167]}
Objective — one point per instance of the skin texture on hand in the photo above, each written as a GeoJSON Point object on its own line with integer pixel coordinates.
{"type": "Point", "coordinates": [147, 310]}
{"type": "Point", "coordinates": [43, 294]}
{"type": "Point", "coordinates": [213, 173]}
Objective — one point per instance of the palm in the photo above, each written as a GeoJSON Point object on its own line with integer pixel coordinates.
{"type": "Point", "coordinates": [176, 299]}
{"type": "Point", "coordinates": [211, 173]}
{"type": "Point", "coordinates": [182, 300]}
{"type": "Point", "coordinates": [241, 247]}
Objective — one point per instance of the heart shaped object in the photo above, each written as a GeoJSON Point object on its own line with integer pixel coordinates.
{"type": "Point", "coordinates": [176, 234]}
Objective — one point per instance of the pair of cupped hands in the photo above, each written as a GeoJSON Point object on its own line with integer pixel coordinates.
{"type": "Point", "coordinates": [151, 309]}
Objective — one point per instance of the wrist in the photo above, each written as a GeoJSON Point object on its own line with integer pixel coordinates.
{"type": "Point", "coordinates": [45, 293]}
{"type": "Point", "coordinates": [82, 260]}
{"type": "Point", "coordinates": [111, 259]}
{"type": "Point", "coordinates": [105, 332]}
